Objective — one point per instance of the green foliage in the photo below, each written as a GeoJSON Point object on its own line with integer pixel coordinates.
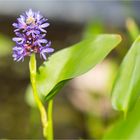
{"type": "Point", "coordinates": [5, 45]}
{"type": "Point", "coordinates": [93, 28]}
{"type": "Point", "coordinates": [72, 62]}
{"type": "Point", "coordinates": [127, 85]}
{"type": "Point", "coordinates": [29, 97]}
{"type": "Point", "coordinates": [128, 129]}
{"type": "Point", "coordinates": [126, 89]}
{"type": "Point", "coordinates": [132, 28]}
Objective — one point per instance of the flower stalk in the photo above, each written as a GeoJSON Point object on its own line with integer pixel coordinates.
{"type": "Point", "coordinates": [32, 67]}
{"type": "Point", "coordinates": [50, 122]}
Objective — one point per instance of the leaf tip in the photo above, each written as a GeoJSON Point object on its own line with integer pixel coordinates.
{"type": "Point", "coordinates": [114, 104]}
{"type": "Point", "coordinates": [119, 37]}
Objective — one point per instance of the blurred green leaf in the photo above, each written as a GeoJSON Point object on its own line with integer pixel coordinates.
{"type": "Point", "coordinates": [126, 89]}
{"type": "Point", "coordinates": [29, 98]}
{"type": "Point", "coordinates": [5, 45]}
{"type": "Point", "coordinates": [132, 28]}
{"type": "Point", "coordinates": [93, 28]}
{"type": "Point", "coordinates": [73, 61]}
{"type": "Point", "coordinates": [128, 129]}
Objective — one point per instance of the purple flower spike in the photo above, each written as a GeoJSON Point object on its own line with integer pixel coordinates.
{"type": "Point", "coordinates": [30, 36]}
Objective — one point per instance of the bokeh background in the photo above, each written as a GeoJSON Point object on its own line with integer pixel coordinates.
{"type": "Point", "coordinates": [83, 108]}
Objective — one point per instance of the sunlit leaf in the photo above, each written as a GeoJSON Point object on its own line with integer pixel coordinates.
{"type": "Point", "coordinates": [73, 61]}
{"type": "Point", "coordinates": [126, 89]}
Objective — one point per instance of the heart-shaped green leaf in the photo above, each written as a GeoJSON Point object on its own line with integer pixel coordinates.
{"type": "Point", "coordinates": [73, 61]}
{"type": "Point", "coordinates": [126, 89]}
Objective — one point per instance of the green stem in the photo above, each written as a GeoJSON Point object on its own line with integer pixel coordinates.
{"type": "Point", "coordinates": [50, 122]}
{"type": "Point", "coordinates": [32, 67]}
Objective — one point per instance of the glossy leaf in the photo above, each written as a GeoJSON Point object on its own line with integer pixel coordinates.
{"type": "Point", "coordinates": [128, 129]}
{"type": "Point", "coordinates": [126, 89]}
{"type": "Point", "coordinates": [73, 61]}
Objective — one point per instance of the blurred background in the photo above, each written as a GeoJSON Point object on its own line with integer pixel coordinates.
{"type": "Point", "coordinates": [83, 108]}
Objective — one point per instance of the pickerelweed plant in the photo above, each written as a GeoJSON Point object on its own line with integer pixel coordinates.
{"type": "Point", "coordinates": [61, 66]}
{"type": "Point", "coordinates": [30, 40]}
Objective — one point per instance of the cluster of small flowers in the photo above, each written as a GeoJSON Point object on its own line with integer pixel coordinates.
{"type": "Point", "coordinates": [30, 32]}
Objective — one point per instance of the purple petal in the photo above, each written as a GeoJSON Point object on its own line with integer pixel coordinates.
{"type": "Point", "coordinates": [18, 53]}
{"type": "Point", "coordinates": [43, 56]}
{"type": "Point", "coordinates": [30, 13]}
{"type": "Point", "coordinates": [38, 16]}
{"type": "Point", "coordinates": [15, 25]}
{"type": "Point", "coordinates": [44, 25]}
{"type": "Point", "coordinates": [49, 50]}
{"type": "Point", "coordinates": [18, 40]}
{"type": "Point", "coordinates": [42, 30]}
{"type": "Point", "coordinates": [42, 41]}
